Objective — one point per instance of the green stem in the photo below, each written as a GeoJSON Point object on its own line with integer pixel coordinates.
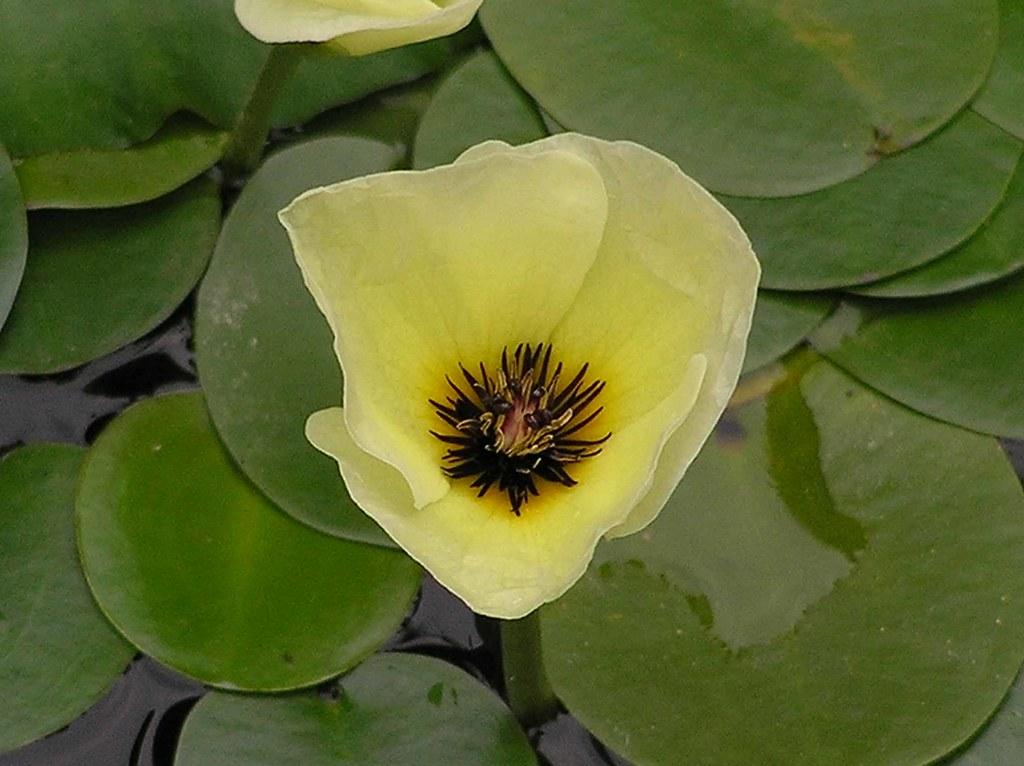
{"type": "Point", "coordinates": [526, 683]}
{"type": "Point", "coordinates": [245, 147]}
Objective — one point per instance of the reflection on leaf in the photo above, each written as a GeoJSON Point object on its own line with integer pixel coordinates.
{"type": "Point", "coordinates": [752, 537]}
{"type": "Point", "coordinates": [794, 464]}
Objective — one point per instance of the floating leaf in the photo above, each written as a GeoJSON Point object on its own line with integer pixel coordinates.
{"type": "Point", "coordinates": [478, 101]}
{"type": "Point", "coordinates": [87, 178]}
{"type": "Point", "coordinates": [98, 279]}
{"type": "Point", "coordinates": [393, 710]}
{"type": "Point", "coordinates": [326, 78]}
{"type": "Point", "coordinates": [199, 571]}
{"type": "Point", "coordinates": [263, 349]}
{"type": "Point", "coordinates": [994, 252]}
{"type": "Point", "coordinates": [1002, 97]}
{"type": "Point", "coordinates": [13, 236]}
{"type": "Point", "coordinates": [958, 358]}
{"type": "Point", "coordinates": [58, 655]}
{"type": "Point", "coordinates": [106, 74]}
{"type": "Point", "coordinates": [837, 580]}
{"type": "Point", "coordinates": [905, 211]}
{"type": "Point", "coordinates": [391, 117]}
{"type": "Point", "coordinates": [1001, 742]}
{"type": "Point", "coordinates": [781, 321]}
{"type": "Point", "coordinates": [751, 98]}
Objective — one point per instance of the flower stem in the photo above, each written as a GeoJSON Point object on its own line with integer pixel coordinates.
{"type": "Point", "coordinates": [526, 683]}
{"type": "Point", "coordinates": [245, 147]}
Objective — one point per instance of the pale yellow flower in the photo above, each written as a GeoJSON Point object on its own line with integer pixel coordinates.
{"type": "Point", "coordinates": [596, 253]}
{"type": "Point", "coordinates": [357, 27]}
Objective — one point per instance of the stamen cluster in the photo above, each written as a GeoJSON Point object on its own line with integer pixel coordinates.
{"type": "Point", "coordinates": [518, 425]}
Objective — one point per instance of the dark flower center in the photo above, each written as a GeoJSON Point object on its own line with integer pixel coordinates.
{"type": "Point", "coordinates": [518, 425]}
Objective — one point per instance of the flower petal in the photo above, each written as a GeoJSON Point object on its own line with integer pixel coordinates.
{"type": "Point", "coordinates": [423, 270]}
{"type": "Point", "coordinates": [675, 277]}
{"type": "Point", "coordinates": [358, 27]}
{"type": "Point", "coordinates": [500, 564]}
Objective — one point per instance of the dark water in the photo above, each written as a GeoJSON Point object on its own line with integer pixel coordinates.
{"type": "Point", "coordinates": [138, 722]}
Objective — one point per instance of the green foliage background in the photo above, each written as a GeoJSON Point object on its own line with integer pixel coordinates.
{"type": "Point", "coordinates": [839, 579]}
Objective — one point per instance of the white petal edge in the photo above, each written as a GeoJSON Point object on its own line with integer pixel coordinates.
{"type": "Point", "coordinates": [503, 566]}
{"type": "Point", "coordinates": [733, 327]}
{"type": "Point", "coordinates": [357, 33]}
{"type": "Point", "coordinates": [405, 319]}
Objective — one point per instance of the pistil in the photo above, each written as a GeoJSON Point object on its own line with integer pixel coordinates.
{"type": "Point", "coordinates": [519, 425]}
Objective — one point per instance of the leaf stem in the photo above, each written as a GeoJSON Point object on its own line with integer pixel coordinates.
{"type": "Point", "coordinates": [245, 146]}
{"type": "Point", "coordinates": [527, 687]}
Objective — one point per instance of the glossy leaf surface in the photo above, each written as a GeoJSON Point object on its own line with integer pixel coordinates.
{"type": "Point", "coordinates": [957, 358]}
{"type": "Point", "coordinates": [781, 321]}
{"type": "Point", "coordinates": [106, 74]}
{"type": "Point", "coordinates": [752, 98]}
{"type": "Point", "coordinates": [1001, 742]}
{"type": "Point", "coordinates": [393, 710]}
{"type": "Point", "coordinates": [1002, 97]}
{"type": "Point", "coordinates": [13, 236]}
{"type": "Point", "coordinates": [58, 654]}
{"type": "Point", "coordinates": [478, 101]}
{"type": "Point", "coordinates": [201, 572]}
{"type": "Point", "coordinates": [390, 117]}
{"type": "Point", "coordinates": [836, 580]}
{"type": "Point", "coordinates": [264, 350]}
{"type": "Point", "coordinates": [88, 178]}
{"type": "Point", "coordinates": [994, 252]}
{"type": "Point", "coordinates": [98, 279]}
{"type": "Point", "coordinates": [905, 211]}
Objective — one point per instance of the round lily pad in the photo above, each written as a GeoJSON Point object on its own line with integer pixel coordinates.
{"type": "Point", "coordinates": [958, 359]}
{"type": "Point", "coordinates": [836, 580]}
{"type": "Point", "coordinates": [751, 98]}
{"type": "Point", "coordinates": [326, 78]}
{"type": "Point", "coordinates": [393, 710]}
{"type": "Point", "coordinates": [994, 252]}
{"type": "Point", "coordinates": [13, 236]}
{"type": "Point", "coordinates": [391, 117]}
{"type": "Point", "coordinates": [58, 655]}
{"type": "Point", "coordinates": [98, 279]}
{"type": "Point", "coordinates": [88, 178]}
{"type": "Point", "coordinates": [197, 569]}
{"type": "Point", "coordinates": [905, 211]}
{"type": "Point", "coordinates": [1001, 742]}
{"type": "Point", "coordinates": [106, 74]}
{"type": "Point", "coordinates": [264, 350]}
{"type": "Point", "coordinates": [781, 321]}
{"type": "Point", "coordinates": [1002, 97]}
{"type": "Point", "coordinates": [478, 101]}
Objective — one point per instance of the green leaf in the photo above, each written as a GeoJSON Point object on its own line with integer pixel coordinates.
{"type": "Point", "coordinates": [106, 74]}
{"type": "Point", "coordinates": [958, 359]}
{"type": "Point", "coordinates": [751, 98]}
{"type": "Point", "coordinates": [263, 349]}
{"type": "Point", "coordinates": [905, 211]}
{"type": "Point", "coordinates": [202, 573]}
{"type": "Point", "coordinates": [1001, 742]}
{"type": "Point", "coordinates": [1002, 97]}
{"type": "Point", "coordinates": [837, 580]}
{"type": "Point", "coordinates": [391, 117]}
{"type": "Point", "coordinates": [996, 251]}
{"type": "Point", "coordinates": [325, 78]}
{"type": "Point", "coordinates": [13, 236]}
{"type": "Point", "coordinates": [393, 710]}
{"type": "Point", "coordinates": [98, 279]}
{"type": "Point", "coordinates": [781, 321]}
{"type": "Point", "coordinates": [88, 178]}
{"type": "Point", "coordinates": [58, 655]}
{"type": "Point", "coordinates": [479, 100]}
